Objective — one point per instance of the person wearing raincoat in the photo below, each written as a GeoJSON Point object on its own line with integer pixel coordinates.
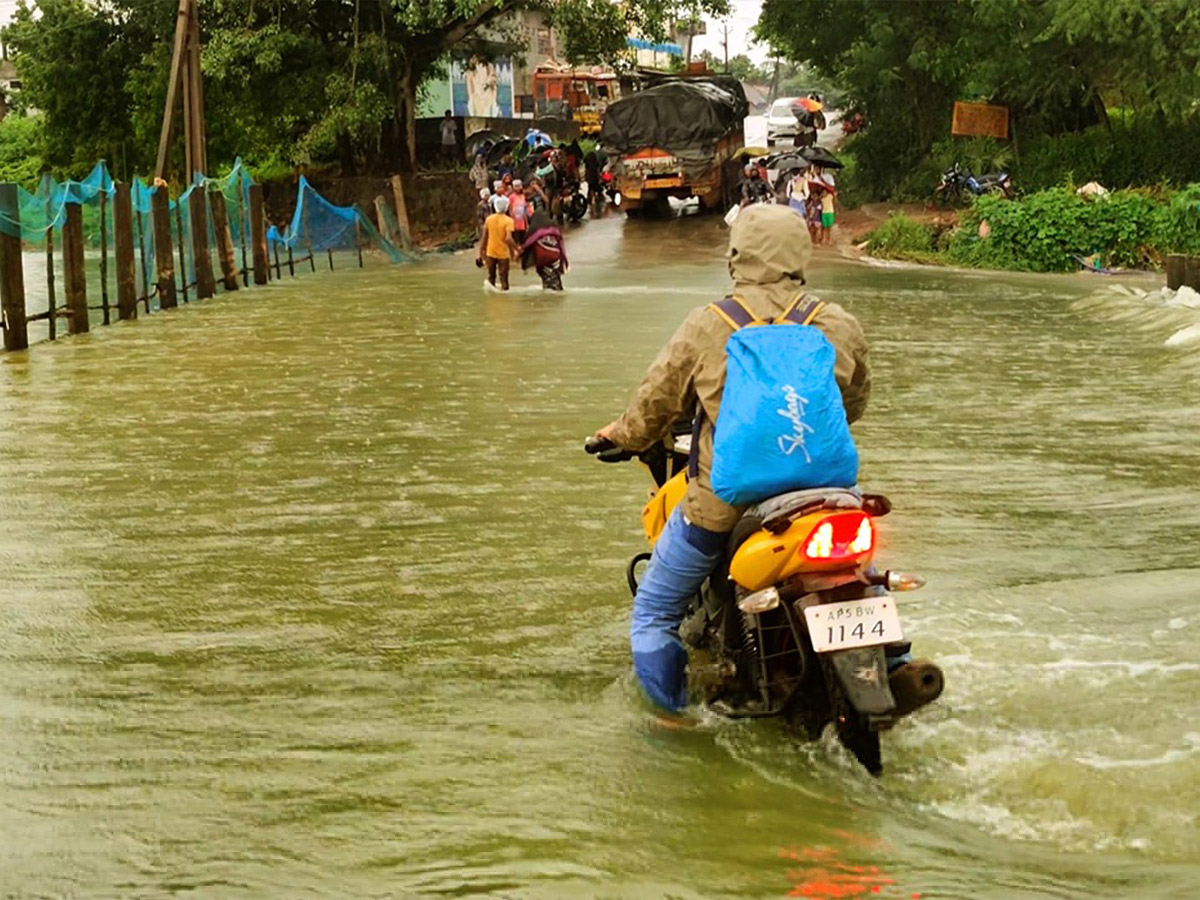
{"type": "Point", "coordinates": [769, 249]}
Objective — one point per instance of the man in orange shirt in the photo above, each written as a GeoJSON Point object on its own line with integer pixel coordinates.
{"type": "Point", "coordinates": [496, 244]}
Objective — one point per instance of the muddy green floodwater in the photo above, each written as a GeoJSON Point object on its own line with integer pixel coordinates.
{"type": "Point", "coordinates": [310, 592]}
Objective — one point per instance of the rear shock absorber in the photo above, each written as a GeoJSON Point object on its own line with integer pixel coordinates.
{"type": "Point", "coordinates": [753, 658]}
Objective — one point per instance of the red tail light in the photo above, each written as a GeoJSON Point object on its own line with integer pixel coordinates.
{"type": "Point", "coordinates": [840, 536]}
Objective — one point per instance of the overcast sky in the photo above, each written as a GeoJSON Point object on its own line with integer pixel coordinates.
{"type": "Point", "coordinates": [744, 17]}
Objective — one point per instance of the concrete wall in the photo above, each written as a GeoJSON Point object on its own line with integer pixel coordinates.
{"type": "Point", "coordinates": [429, 134]}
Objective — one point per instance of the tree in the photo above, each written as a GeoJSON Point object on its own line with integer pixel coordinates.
{"type": "Point", "coordinates": [597, 30]}
{"type": "Point", "coordinates": [285, 82]}
{"type": "Point", "coordinates": [73, 66]}
{"type": "Point", "coordinates": [1050, 63]}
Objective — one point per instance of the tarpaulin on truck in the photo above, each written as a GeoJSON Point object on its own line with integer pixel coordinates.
{"type": "Point", "coordinates": [676, 116]}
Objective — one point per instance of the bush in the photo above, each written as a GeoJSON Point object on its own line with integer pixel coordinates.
{"type": "Point", "coordinates": [1045, 231]}
{"type": "Point", "coordinates": [899, 238]}
{"type": "Point", "coordinates": [1136, 152]}
{"type": "Point", "coordinates": [21, 142]}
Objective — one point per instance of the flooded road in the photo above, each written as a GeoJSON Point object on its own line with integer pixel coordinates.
{"type": "Point", "coordinates": [310, 592]}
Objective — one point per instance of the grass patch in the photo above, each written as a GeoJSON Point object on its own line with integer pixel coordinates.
{"type": "Point", "coordinates": [902, 237]}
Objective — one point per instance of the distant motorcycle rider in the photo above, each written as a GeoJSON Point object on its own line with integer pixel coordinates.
{"type": "Point", "coordinates": [769, 248]}
{"type": "Point", "coordinates": [755, 188]}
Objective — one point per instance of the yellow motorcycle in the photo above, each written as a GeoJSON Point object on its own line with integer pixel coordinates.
{"type": "Point", "coordinates": [796, 621]}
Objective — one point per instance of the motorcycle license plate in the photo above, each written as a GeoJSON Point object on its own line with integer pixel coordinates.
{"type": "Point", "coordinates": [853, 623]}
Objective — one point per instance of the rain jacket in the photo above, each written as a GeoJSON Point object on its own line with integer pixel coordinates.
{"type": "Point", "coordinates": [769, 247]}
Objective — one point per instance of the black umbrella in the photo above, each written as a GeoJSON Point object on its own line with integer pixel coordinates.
{"type": "Point", "coordinates": [482, 140]}
{"type": "Point", "coordinates": [787, 161]}
{"type": "Point", "coordinates": [819, 156]}
{"type": "Point", "coordinates": [499, 148]}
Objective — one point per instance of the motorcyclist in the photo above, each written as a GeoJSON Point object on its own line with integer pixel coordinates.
{"type": "Point", "coordinates": [755, 188]}
{"type": "Point", "coordinates": [769, 248]}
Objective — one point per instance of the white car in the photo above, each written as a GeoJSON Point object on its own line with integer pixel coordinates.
{"type": "Point", "coordinates": [781, 124]}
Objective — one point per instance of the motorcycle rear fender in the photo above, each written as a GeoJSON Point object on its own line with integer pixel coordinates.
{"type": "Point", "coordinates": [863, 676]}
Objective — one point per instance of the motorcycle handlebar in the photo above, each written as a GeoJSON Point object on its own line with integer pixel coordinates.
{"type": "Point", "coordinates": [606, 451]}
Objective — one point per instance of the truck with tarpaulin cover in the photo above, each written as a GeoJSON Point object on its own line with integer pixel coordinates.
{"type": "Point", "coordinates": [679, 137]}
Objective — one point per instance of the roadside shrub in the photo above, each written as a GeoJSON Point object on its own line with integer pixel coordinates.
{"type": "Point", "coordinates": [1043, 232]}
{"type": "Point", "coordinates": [1178, 229]}
{"type": "Point", "coordinates": [900, 237]}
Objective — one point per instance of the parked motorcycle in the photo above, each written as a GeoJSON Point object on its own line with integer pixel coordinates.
{"type": "Point", "coordinates": [572, 203]}
{"type": "Point", "coordinates": [795, 621]}
{"type": "Point", "coordinates": [957, 183]}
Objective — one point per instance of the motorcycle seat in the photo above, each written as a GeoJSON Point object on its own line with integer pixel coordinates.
{"type": "Point", "coordinates": [793, 501]}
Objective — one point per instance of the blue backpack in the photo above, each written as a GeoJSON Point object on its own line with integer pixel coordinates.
{"type": "Point", "coordinates": [782, 426]}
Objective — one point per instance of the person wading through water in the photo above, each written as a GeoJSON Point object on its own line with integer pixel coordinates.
{"type": "Point", "coordinates": [769, 249]}
{"type": "Point", "coordinates": [546, 251]}
{"type": "Point", "coordinates": [496, 245]}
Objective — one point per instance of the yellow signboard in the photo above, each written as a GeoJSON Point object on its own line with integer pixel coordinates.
{"type": "Point", "coordinates": [980, 119]}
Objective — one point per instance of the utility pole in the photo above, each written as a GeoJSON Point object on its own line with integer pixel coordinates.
{"type": "Point", "coordinates": [725, 43]}
{"type": "Point", "coordinates": [185, 78]}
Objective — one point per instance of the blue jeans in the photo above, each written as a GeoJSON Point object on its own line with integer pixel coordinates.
{"type": "Point", "coordinates": [683, 557]}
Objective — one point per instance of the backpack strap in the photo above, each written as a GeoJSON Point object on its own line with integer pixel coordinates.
{"type": "Point", "coordinates": [735, 313]}
{"type": "Point", "coordinates": [801, 313]}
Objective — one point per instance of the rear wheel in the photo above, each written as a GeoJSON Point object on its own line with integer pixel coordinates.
{"type": "Point", "coordinates": [856, 735]}
{"type": "Point", "coordinates": [853, 727]}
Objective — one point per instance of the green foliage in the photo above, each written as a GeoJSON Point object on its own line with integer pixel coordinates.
{"type": "Point", "coordinates": [741, 67]}
{"type": "Point", "coordinates": [1045, 231]}
{"type": "Point", "coordinates": [904, 65]}
{"type": "Point", "coordinates": [73, 62]}
{"type": "Point", "coordinates": [1136, 152]}
{"type": "Point", "coordinates": [1179, 223]}
{"type": "Point", "coordinates": [596, 30]}
{"type": "Point", "coordinates": [900, 237]}
{"type": "Point", "coordinates": [21, 141]}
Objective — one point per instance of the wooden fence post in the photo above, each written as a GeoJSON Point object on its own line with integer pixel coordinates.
{"type": "Point", "coordinates": [183, 281]}
{"type": "Point", "coordinates": [141, 237]}
{"type": "Point", "coordinates": [401, 213]}
{"type": "Point", "coordinates": [74, 273]}
{"type": "Point", "coordinates": [205, 287]}
{"type": "Point", "coordinates": [123, 250]}
{"type": "Point", "coordinates": [51, 299]}
{"type": "Point", "coordinates": [220, 215]}
{"type": "Point", "coordinates": [1176, 270]}
{"type": "Point", "coordinates": [161, 207]}
{"type": "Point", "coordinates": [1191, 273]}
{"type": "Point", "coordinates": [12, 272]}
{"type": "Point", "coordinates": [258, 234]}
{"type": "Point", "coordinates": [242, 231]}
{"type": "Point", "coordinates": [104, 256]}
{"type": "Point", "coordinates": [382, 213]}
